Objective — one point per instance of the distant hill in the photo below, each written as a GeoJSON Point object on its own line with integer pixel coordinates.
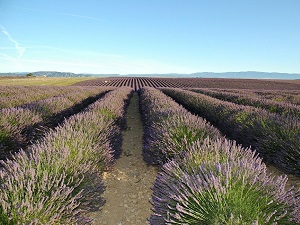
{"type": "Point", "coordinates": [59, 74]}
{"type": "Point", "coordinates": [54, 74]}
{"type": "Point", "coordinates": [241, 75]}
{"type": "Point", "coordinates": [13, 74]}
{"type": "Point", "coordinates": [250, 74]}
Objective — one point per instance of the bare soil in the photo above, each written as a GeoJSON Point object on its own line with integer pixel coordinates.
{"type": "Point", "coordinates": [128, 184]}
{"type": "Point", "coordinates": [293, 180]}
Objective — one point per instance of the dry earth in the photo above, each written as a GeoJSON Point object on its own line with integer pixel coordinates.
{"type": "Point", "coordinates": [128, 185]}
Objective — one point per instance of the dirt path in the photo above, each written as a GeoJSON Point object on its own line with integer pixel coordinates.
{"type": "Point", "coordinates": [128, 185]}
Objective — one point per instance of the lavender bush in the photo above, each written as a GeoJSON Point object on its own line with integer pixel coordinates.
{"type": "Point", "coordinates": [19, 125]}
{"type": "Point", "coordinates": [283, 108]}
{"type": "Point", "coordinates": [12, 123]}
{"type": "Point", "coordinates": [47, 107]}
{"type": "Point", "coordinates": [32, 195]}
{"type": "Point", "coordinates": [276, 138]}
{"type": "Point", "coordinates": [113, 107]}
{"type": "Point", "coordinates": [173, 136]}
{"type": "Point", "coordinates": [22, 95]}
{"type": "Point", "coordinates": [218, 182]}
{"type": "Point", "coordinates": [169, 128]}
{"type": "Point", "coordinates": [292, 97]}
{"type": "Point", "coordinates": [55, 181]}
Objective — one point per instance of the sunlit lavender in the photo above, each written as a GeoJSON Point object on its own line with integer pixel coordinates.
{"type": "Point", "coordinates": [282, 108]}
{"type": "Point", "coordinates": [55, 181]}
{"type": "Point", "coordinates": [275, 137]}
{"type": "Point", "coordinates": [169, 128]}
{"type": "Point", "coordinates": [218, 182]}
{"type": "Point", "coordinates": [18, 124]}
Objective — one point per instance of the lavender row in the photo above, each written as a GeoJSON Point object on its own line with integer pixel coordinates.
{"type": "Point", "coordinates": [57, 180]}
{"type": "Point", "coordinates": [288, 96]}
{"type": "Point", "coordinates": [19, 125]}
{"type": "Point", "coordinates": [292, 97]}
{"type": "Point", "coordinates": [219, 182]}
{"type": "Point", "coordinates": [283, 108]}
{"type": "Point", "coordinates": [20, 95]}
{"type": "Point", "coordinates": [169, 128]}
{"type": "Point", "coordinates": [276, 138]}
{"type": "Point", "coordinates": [205, 176]}
{"type": "Point", "coordinates": [53, 105]}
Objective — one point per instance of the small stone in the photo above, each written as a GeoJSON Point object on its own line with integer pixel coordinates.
{"type": "Point", "coordinates": [133, 196]}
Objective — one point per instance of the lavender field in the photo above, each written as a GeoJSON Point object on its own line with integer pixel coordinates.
{"type": "Point", "coordinates": [212, 141]}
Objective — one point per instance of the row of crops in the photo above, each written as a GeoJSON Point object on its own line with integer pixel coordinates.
{"type": "Point", "coordinates": [12, 96]}
{"type": "Point", "coordinates": [56, 179]}
{"type": "Point", "coordinates": [138, 82]}
{"type": "Point", "coordinates": [287, 106]}
{"type": "Point", "coordinates": [288, 96]}
{"type": "Point", "coordinates": [275, 136]}
{"type": "Point", "coordinates": [39, 110]}
{"type": "Point", "coordinates": [206, 178]}
{"type": "Point", "coordinates": [135, 83]}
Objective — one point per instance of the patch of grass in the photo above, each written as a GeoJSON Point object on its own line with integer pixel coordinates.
{"type": "Point", "coordinates": [43, 81]}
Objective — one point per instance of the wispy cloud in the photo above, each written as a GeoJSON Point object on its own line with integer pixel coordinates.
{"type": "Point", "coordinates": [7, 57]}
{"type": "Point", "coordinates": [80, 16]}
{"type": "Point", "coordinates": [20, 50]}
{"type": "Point", "coordinates": [62, 14]}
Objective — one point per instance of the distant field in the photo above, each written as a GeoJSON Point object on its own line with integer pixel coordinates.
{"type": "Point", "coordinates": [138, 82]}
{"type": "Point", "coordinates": [42, 81]}
{"type": "Point", "coordinates": [290, 81]}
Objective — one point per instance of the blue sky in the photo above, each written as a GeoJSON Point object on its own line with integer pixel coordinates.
{"type": "Point", "coordinates": [157, 36]}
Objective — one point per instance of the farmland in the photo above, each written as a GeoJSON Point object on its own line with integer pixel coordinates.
{"type": "Point", "coordinates": [157, 82]}
{"type": "Point", "coordinates": [41, 81]}
{"type": "Point", "coordinates": [201, 150]}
